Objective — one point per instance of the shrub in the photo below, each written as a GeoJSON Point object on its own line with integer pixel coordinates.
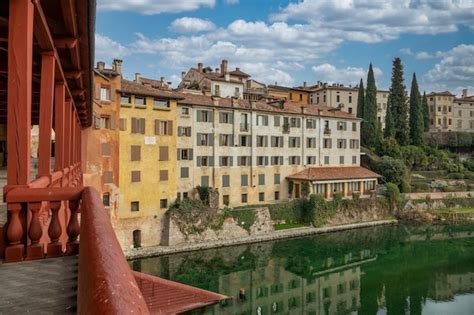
{"type": "Point", "coordinates": [389, 147]}
{"type": "Point", "coordinates": [404, 186]}
{"type": "Point", "coordinates": [203, 192]}
{"type": "Point", "coordinates": [414, 157]}
{"type": "Point", "coordinates": [305, 189]}
{"type": "Point", "coordinates": [392, 195]}
{"type": "Point", "coordinates": [469, 165]}
{"type": "Point", "coordinates": [456, 175]}
{"type": "Point", "coordinates": [421, 187]}
{"type": "Point", "coordinates": [450, 188]}
{"type": "Point", "coordinates": [453, 167]}
{"type": "Point", "coordinates": [355, 196]}
{"type": "Point", "coordinates": [290, 188]}
{"type": "Point", "coordinates": [391, 169]}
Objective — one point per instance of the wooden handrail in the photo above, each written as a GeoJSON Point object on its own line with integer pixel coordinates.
{"type": "Point", "coordinates": [44, 194]}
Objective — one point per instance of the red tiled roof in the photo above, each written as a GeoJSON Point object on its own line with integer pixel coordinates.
{"type": "Point", "coordinates": [168, 297]}
{"type": "Point", "coordinates": [288, 106]}
{"type": "Point", "coordinates": [334, 173]}
{"type": "Point", "coordinates": [139, 89]}
{"type": "Point", "coordinates": [442, 93]}
{"type": "Point", "coordinates": [239, 73]}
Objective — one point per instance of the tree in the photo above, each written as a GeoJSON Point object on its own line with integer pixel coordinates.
{"type": "Point", "coordinates": [416, 114]}
{"type": "Point", "coordinates": [393, 195]}
{"type": "Point", "coordinates": [398, 103]}
{"type": "Point", "coordinates": [393, 170]}
{"type": "Point", "coordinates": [369, 132]}
{"type": "Point", "coordinates": [389, 131]}
{"type": "Point", "coordinates": [305, 189]}
{"type": "Point", "coordinates": [414, 157]}
{"type": "Point", "coordinates": [426, 113]}
{"type": "Point", "coordinates": [360, 100]}
{"type": "Point", "coordinates": [389, 147]}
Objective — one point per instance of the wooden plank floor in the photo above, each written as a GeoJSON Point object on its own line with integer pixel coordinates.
{"type": "Point", "coordinates": [47, 286]}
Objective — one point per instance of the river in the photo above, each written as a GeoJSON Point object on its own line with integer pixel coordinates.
{"type": "Point", "coordinates": [381, 270]}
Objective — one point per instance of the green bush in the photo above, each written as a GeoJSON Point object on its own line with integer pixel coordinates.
{"type": "Point", "coordinates": [450, 189]}
{"type": "Point", "coordinates": [391, 169]}
{"type": "Point", "coordinates": [414, 157]}
{"type": "Point", "coordinates": [290, 188]}
{"type": "Point", "coordinates": [392, 194]}
{"type": "Point", "coordinates": [389, 147]}
{"type": "Point", "coordinates": [245, 218]}
{"type": "Point", "coordinates": [421, 187]}
{"type": "Point", "coordinates": [469, 164]}
{"type": "Point", "coordinates": [203, 192]}
{"type": "Point", "coordinates": [453, 167]}
{"type": "Point", "coordinates": [355, 196]}
{"type": "Point", "coordinates": [305, 189]}
{"type": "Point", "coordinates": [456, 175]}
{"type": "Point", "coordinates": [404, 187]}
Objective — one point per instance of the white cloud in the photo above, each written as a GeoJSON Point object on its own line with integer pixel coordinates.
{"type": "Point", "coordinates": [454, 71]}
{"type": "Point", "coordinates": [149, 7]}
{"type": "Point", "coordinates": [231, 2]}
{"type": "Point", "coordinates": [375, 21]}
{"type": "Point", "coordinates": [191, 25]}
{"type": "Point", "coordinates": [106, 49]}
{"type": "Point", "coordinates": [422, 55]}
{"type": "Point", "coordinates": [406, 51]}
{"type": "Point", "coordinates": [349, 75]}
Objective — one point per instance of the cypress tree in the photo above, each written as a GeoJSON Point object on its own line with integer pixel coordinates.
{"type": "Point", "coordinates": [369, 125]}
{"type": "Point", "coordinates": [389, 131]}
{"type": "Point", "coordinates": [426, 113]}
{"type": "Point", "coordinates": [399, 105]}
{"type": "Point", "coordinates": [360, 100]}
{"type": "Point", "coordinates": [416, 115]}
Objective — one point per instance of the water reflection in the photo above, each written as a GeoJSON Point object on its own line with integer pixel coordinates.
{"type": "Point", "coordinates": [393, 270]}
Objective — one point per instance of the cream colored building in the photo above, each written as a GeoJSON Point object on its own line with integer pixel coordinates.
{"type": "Point", "coordinates": [247, 150]}
{"type": "Point", "coordinates": [337, 95]}
{"type": "Point", "coordinates": [464, 112]}
{"type": "Point", "coordinates": [441, 111]}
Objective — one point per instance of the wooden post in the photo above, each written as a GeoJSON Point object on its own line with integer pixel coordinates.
{"type": "Point", "coordinates": [55, 248]}
{"type": "Point", "coordinates": [59, 103]}
{"type": "Point", "coordinates": [20, 66]}
{"type": "Point", "coordinates": [46, 113]}
{"type": "Point", "coordinates": [35, 250]}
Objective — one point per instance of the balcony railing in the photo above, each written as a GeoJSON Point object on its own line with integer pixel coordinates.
{"type": "Point", "coordinates": [286, 128]}
{"type": "Point", "coordinates": [327, 131]}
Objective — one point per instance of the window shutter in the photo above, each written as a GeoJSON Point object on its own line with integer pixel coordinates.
{"type": "Point", "coordinates": [133, 127]}
{"type": "Point", "coordinates": [266, 160]}
{"type": "Point", "coordinates": [232, 140]}
{"type": "Point", "coordinates": [198, 161]}
{"type": "Point", "coordinates": [157, 127]}
{"type": "Point", "coordinates": [211, 161]}
{"type": "Point", "coordinates": [170, 128]}
{"type": "Point", "coordinates": [112, 93]}
{"type": "Point", "coordinates": [180, 131]}
{"type": "Point", "coordinates": [163, 154]}
{"type": "Point", "coordinates": [221, 139]}
{"type": "Point", "coordinates": [221, 118]}
{"type": "Point", "coordinates": [142, 126]}
{"type": "Point", "coordinates": [231, 118]}
{"type": "Point", "coordinates": [178, 154]}
{"type": "Point", "coordinates": [231, 162]}
{"type": "Point", "coordinates": [97, 91]}
{"type": "Point", "coordinates": [211, 139]}
{"type": "Point", "coordinates": [112, 122]}
{"type": "Point", "coordinates": [123, 124]}
{"type": "Point", "coordinates": [198, 139]}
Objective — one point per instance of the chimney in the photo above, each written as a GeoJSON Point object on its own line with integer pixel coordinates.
{"type": "Point", "coordinates": [464, 93]}
{"type": "Point", "coordinates": [117, 65]}
{"type": "Point", "coordinates": [304, 84]}
{"type": "Point", "coordinates": [100, 65]}
{"type": "Point", "coordinates": [200, 67]}
{"type": "Point", "coordinates": [137, 77]}
{"type": "Point", "coordinates": [217, 70]}
{"type": "Point", "coordinates": [224, 66]}
{"type": "Point", "coordinates": [162, 79]}
{"type": "Point", "coordinates": [237, 69]}
{"type": "Point", "coordinates": [183, 74]}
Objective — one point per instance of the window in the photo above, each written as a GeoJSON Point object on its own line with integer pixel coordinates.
{"type": "Point", "coordinates": [311, 142]}
{"type": "Point", "coordinates": [349, 110]}
{"type": "Point", "coordinates": [354, 159]}
{"type": "Point", "coordinates": [205, 161]}
{"type": "Point", "coordinates": [310, 123]}
{"type": "Point", "coordinates": [277, 141]}
{"type": "Point", "coordinates": [104, 93]}
{"type": "Point", "coordinates": [105, 122]}
{"type": "Point", "coordinates": [135, 153]}
{"type": "Point", "coordinates": [140, 101]}
{"type": "Point", "coordinates": [163, 203]}
{"type": "Point", "coordinates": [276, 121]}
{"type": "Point", "coordinates": [107, 177]}
{"type": "Point", "coordinates": [244, 180]}
{"type": "Point", "coordinates": [185, 154]}
{"type": "Point", "coordinates": [338, 98]}
{"type": "Point", "coordinates": [261, 196]}
{"type": "Point", "coordinates": [204, 116]}
{"type": "Point", "coordinates": [261, 179]}
{"type": "Point", "coordinates": [123, 124]}
{"type": "Point", "coordinates": [185, 111]}
{"type": "Point", "coordinates": [204, 139]}
{"type": "Point", "coordinates": [163, 154]}
{"type": "Point", "coordinates": [311, 160]}
{"type": "Point", "coordinates": [184, 172]}
{"type": "Point", "coordinates": [163, 127]}
{"type": "Point", "coordinates": [136, 176]}
{"type": "Point", "coordinates": [262, 160]}
{"type": "Point", "coordinates": [105, 149]}
{"type": "Point", "coordinates": [327, 143]}
{"type": "Point", "coordinates": [226, 161]}
{"type": "Point", "coordinates": [354, 126]}
{"type": "Point", "coordinates": [243, 160]}
{"type": "Point", "coordinates": [341, 160]}
{"type": "Point", "coordinates": [341, 143]}
{"type": "Point", "coordinates": [226, 118]}
{"type": "Point", "coordinates": [350, 98]}
{"type": "Point", "coordinates": [293, 142]}
{"type": "Point", "coordinates": [277, 195]}
{"type": "Point", "coordinates": [295, 122]}
{"type": "Point", "coordinates": [262, 120]}
{"type": "Point", "coordinates": [262, 141]}
{"type": "Point", "coordinates": [277, 160]}
{"type": "Point", "coordinates": [217, 90]}
{"type": "Point", "coordinates": [225, 181]}
{"type": "Point", "coordinates": [276, 179]}
{"type": "Point", "coordinates": [291, 96]}
{"type": "Point", "coordinates": [159, 103]}
{"type": "Point", "coordinates": [135, 206]}
{"type": "Point", "coordinates": [326, 160]}
{"type": "Point", "coordinates": [326, 124]}
{"type": "Point", "coordinates": [205, 181]}
{"type": "Point", "coordinates": [354, 144]}
{"type": "Point", "coordinates": [294, 160]}
{"type": "Point", "coordinates": [237, 92]}
{"type": "Point", "coordinates": [138, 125]}
{"type": "Point", "coordinates": [163, 175]}
{"type": "Point", "coordinates": [301, 97]}
{"type": "Point", "coordinates": [243, 198]}
{"type": "Point", "coordinates": [341, 125]}
{"type": "Point", "coordinates": [125, 99]}
{"type": "Point", "coordinates": [226, 140]}
{"type": "Point", "coordinates": [184, 131]}
{"type": "Point", "coordinates": [106, 199]}
{"type": "Point", "coordinates": [244, 140]}
{"type": "Point", "coordinates": [225, 199]}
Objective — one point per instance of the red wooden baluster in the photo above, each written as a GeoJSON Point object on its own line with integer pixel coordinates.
{"type": "Point", "coordinates": [35, 250]}
{"type": "Point", "coordinates": [15, 250]}
{"type": "Point", "coordinates": [73, 229]}
{"type": "Point", "coordinates": [55, 247]}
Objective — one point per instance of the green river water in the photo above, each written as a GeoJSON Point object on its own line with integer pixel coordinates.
{"type": "Point", "coordinates": [382, 270]}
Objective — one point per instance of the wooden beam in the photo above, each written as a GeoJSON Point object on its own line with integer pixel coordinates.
{"type": "Point", "coordinates": [65, 42]}
{"type": "Point", "coordinates": [59, 105]}
{"type": "Point", "coordinates": [76, 74]}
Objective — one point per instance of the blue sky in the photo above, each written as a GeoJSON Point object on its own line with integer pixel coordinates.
{"type": "Point", "coordinates": [293, 41]}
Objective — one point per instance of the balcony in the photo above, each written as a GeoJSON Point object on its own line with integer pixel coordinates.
{"type": "Point", "coordinates": [244, 127]}
{"type": "Point", "coordinates": [286, 128]}
{"type": "Point", "coordinates": [327, 131]}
